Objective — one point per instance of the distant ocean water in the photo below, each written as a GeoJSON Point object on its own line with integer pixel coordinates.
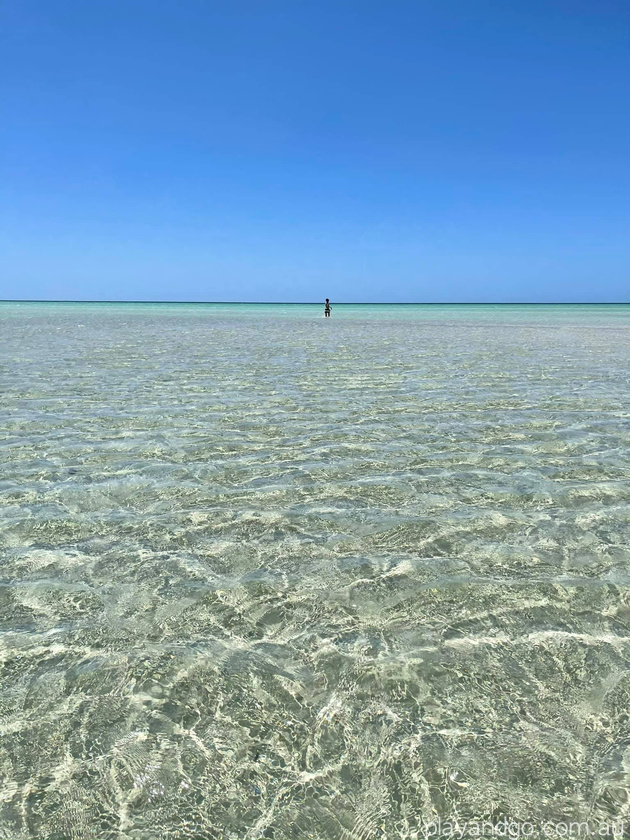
{"type": "Point", "coordinates": [269, 575]}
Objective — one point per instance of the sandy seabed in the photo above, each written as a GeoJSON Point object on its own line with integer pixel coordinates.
{"type": "Point", "coordinates": [269, 575]}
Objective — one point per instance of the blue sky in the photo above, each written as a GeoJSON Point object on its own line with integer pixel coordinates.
{"type": "Point", "coordinates": [365, 151]}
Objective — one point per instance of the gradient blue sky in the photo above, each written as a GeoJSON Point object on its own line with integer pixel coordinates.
{"type": "Point", "coordinates": [452, 150]}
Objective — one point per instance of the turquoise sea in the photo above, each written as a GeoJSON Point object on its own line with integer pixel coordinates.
{"type": "Point", "coordinates": [269, 575]}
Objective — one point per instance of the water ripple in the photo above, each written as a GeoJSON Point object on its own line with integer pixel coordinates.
{"type": "Point", "coordinates": [281, 577]}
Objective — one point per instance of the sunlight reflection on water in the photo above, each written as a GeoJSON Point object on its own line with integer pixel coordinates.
{"type": "Point", "coordinates": [267, 575]}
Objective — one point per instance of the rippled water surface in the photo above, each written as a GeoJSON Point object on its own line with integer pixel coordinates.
{"type": "Point", "coordinates": [269, 575]}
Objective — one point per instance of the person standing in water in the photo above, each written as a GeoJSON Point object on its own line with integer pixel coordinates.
{"type": "Point", "coordinates": [327, 309]}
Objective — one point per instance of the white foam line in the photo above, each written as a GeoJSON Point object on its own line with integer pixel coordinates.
{"type": "Point", "coordinates": [539, 638]}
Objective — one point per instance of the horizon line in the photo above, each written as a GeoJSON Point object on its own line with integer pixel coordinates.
{"type": "Point", "coordinates": [337, 303]}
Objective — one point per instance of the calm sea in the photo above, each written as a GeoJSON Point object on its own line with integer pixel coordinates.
{"type": "Point", "coordinates": [270, 575]}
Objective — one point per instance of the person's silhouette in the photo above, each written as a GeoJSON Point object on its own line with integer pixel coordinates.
{"type": "Point", "coordinates": [327, 309]}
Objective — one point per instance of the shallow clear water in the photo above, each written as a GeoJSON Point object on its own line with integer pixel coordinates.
{"type": "Point", "coordinates": [269, 575]}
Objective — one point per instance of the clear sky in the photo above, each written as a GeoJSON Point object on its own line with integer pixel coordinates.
{"type": "Point", "coordinates": [451, 150]}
